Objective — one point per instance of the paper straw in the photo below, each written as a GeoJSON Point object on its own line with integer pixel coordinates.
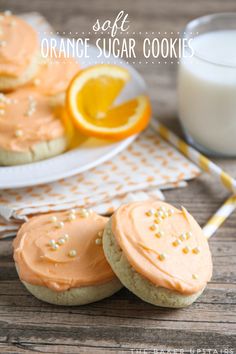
{"type": "Point", "coordinates": [220, 216]}
{"type": "Point", "coordinates": [199, 159]}
{"type": "Point", "coordinates": [207, 165]}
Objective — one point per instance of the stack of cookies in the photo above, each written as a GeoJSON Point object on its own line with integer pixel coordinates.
{"type": "Point", "coordinates": [31, 90]}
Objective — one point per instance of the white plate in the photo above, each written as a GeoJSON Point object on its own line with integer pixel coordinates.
{"type": "Point", "coordinates": [83, 158]}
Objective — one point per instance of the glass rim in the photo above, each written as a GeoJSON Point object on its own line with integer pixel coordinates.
{"type": "Point", "coordinates": [189, 29]}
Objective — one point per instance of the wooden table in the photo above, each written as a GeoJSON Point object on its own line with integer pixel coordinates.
{"type": "Point", "coordinates": [123, 322]}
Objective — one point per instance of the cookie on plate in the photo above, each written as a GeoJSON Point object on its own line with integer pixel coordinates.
{"type": "Point", "coordinates": [158, 252]}
{"type": "Point", "coordinates": [60, 259]}
{"type": "Point", "coordinates": [19, 52]}
{"type": "Point", "coordinates": [30, 128]}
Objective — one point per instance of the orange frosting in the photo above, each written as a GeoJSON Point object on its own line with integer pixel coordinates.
{"type": "Point", "coordinates": [26, 118]}
{"type": "Point", "coordinates": [39, 264]}
{"type": "Point", "coordinates": [55, 75]}
{"type": "Point", "coordinates": [18, 45]}
{"type": "Point", "coordinates": [164, 244]}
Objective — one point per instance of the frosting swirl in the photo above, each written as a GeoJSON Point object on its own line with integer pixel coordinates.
{"type": "Point", "coordinates": [18, 44]}
{"type": "Point", "coordinates": [164, 244]}
{"type": "Point", "coordinates": [62, 251]}
{"type": "Point", "coordinates": [26, 118]}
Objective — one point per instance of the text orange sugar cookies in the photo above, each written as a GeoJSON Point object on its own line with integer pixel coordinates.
{"type": "Point", "coordinates": [158, 252]}
{"type": "Point", "coordinates": [19, 52]}
{"type": "Point", "coordinates": [60, 259]}
{"type": "Point", "coordinates": [30, 129]}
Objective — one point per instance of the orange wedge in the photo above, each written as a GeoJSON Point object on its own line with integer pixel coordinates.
{"type": "Point", "coordinates": [90, 103]}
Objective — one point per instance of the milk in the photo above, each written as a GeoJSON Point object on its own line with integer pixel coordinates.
{"type": "Point", "coordinates": [207, 92]}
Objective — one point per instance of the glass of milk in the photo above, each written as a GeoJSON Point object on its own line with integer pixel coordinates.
{"type": "Point", "coordinates": [207, 84]}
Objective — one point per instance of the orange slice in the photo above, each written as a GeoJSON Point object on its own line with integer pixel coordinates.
{"type": "Point", "coordinates": [90, 99]}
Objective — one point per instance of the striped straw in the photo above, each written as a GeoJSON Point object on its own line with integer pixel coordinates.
{"type": "Point", "coordinates": [207, 165]}
{"type": "Point", "coordinates": [199, 159]}
{"type": "Point", "coordinates": [220, 216]}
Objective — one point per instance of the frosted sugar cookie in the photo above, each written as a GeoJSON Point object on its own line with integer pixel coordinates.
{"type": "Point", "coordinates": [19, 52]}
{"type": "Point", "coordinates": [54, 77]}
{"type": "Point", "coordinates": [30, 129]}
{"type": "Point", "coordinates": [158, 252]}
{"type": "Point", "coordinates": [59, 258]}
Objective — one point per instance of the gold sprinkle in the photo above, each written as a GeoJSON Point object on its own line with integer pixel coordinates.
{"type": "Point", "coordinates": [73, 211]}
{"type": "Point", "coordinates": [158, 220]}
{"type": "Point", "coordinates": [196, 250]}
{"type": "Point", "coordinates": [194, 276]}
{"type": "Point", "coordinates": [55, 247]}
{"type": "Point", "coordinates": [189, 234]}
{"type": "Point", "coordinates": [66, 236]}
{"type": "Point", "coordinates": [162, 257]}
{"type": "Point", "coordinates": [150, 212]}
{"type": "Point", "coordinates": [98, 241]}
{"type": "Point", "coordinates": [171, 212]}
{"type": "Point", "coordinates": [52, 242]}
{"type": "Point", "coordinates": [53, 218]}
{"type": "Point", "coordinates": [72, 253]}
{"type": "Point", "coordinates": [72, 217]}
{"type": "Point", "coordinates": [159, 213]}
{"type": "Point", "coordinates": [61, 241]}
{"type": "Point", "coordinates": [166, 214]}
{"type": "Point", "coordinates": [18, 133]}
{"type": "Point", "coordinates": [60, 224]}
{"type": "Point", "coordinates": [182, 237]}
{"type": "Point", "coordinates": [153, 227]}
{"type": "Point", "coordinates": [176, 243]}
{"type": "Point", "coordinates": [159, 234]}
{"type": "Point", "coordinates": [186, 250]}
{"type": "Point", "coordinates": [84, 213]}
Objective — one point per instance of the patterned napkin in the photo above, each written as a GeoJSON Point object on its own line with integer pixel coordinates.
{"type": "Point", "coordinates": [149, 164]}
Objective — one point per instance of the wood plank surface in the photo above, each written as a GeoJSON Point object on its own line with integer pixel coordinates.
{"type": "Point", "coordinates": [123, 323]}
